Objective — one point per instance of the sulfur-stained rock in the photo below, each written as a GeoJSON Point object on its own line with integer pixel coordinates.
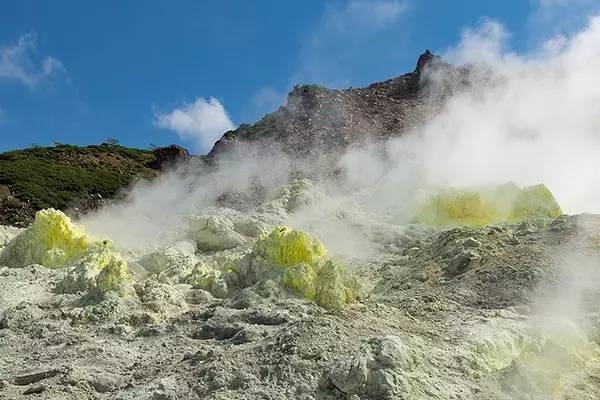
{"type": "Point", "coordinates": [96, 272]}
{"type": "Point", "coordinates": [208, 278]}
{"type": "Point", "coordinates": [298, 262]}
{"type": "Point", "coordinates": [485, 206]}
{"type": "Point", "coordinates": [52, 240]}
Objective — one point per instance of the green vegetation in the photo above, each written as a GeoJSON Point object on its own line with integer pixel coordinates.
{"type": "Point", "coordinates": [58, 176]}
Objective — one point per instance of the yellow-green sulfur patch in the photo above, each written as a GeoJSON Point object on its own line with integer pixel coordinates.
{"type": "Point", "coordinates": [298, 262]}
{"type": "Point", "coordinates": [505, 203]}
{"type": "Point", "coordinates": [51, 240]}
{"type": "Point", "coordinates": [203, 276]}
{"type": "Point", "coordinates": [54, 241]}
{"type": "Point", "coordinates": [98, 271]}
{"type": "Point", "coordinates": [287, 246]}
{"type": "Point", "coordinates": [113, 271]}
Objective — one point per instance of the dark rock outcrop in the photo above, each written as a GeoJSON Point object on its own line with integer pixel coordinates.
{"type": "Point", "coordinates": [318, 121]}
{"type": "Point", "coordinates": [167, 157]}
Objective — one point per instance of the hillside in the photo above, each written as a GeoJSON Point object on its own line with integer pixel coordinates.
{"type": "Point", "coordinates": [69, 177]}
{"type": "Point", "coordinates": [318, 121]}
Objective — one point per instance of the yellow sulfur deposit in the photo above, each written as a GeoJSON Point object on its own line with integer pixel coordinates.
{"type": "Point", "coordinates": [298, 262]}
{"type": "Point", "coordinates": [98, 271]}
{"type": "Point", "coordinates": [204, 277]}
{"type": "Point", "coordinates": [287, 246]}
{"type": "Point", "coordinates": [112, 270]}
{"type": "Point", "coordinates": [505, 203]}
{"type": "Point", "coordinates": [54, 241]}
{"type": "Point", "coordinates": [51, 240]}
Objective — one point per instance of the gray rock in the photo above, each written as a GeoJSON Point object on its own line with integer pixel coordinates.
{"type": "Point", "coordinates": [21, 316]}
{"type": "Point", "coordinates": [382, 384]}
{"type": "Point", "coordinates": [390, 352]}
{"type": "Point", "coordinates": [247, 335]}
{"type": "Point", "coordinates": [268, 317]}
{"type": "Point", "coordinates": [199, 296]}
{"type": "Point", "coordinates": [214, 232]}
{"type": "Point", "coordinates": [463, 261]}
{"type": "Point", "coordinates": [35, 375]}
{"type": "Point", "coordinates": [525, 228]}
{"type": "Point", "coordinates": [471, 243]}
{"type": "Point", "coordinates": [171, 263]}
{"type": "Point", "coordinates": [35, 389]}
{"type": "Point", "coordinates": [350, 376]}
{"type": "Point", "coordinates": [159, 394]}
{"type": "Point", "coordinates": [104, 382]}
{"type": "Point", "coordinates": [166, 389]}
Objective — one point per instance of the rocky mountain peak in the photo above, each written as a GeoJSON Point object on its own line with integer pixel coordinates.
{"type": "Point", "coordinates": [317, 120]}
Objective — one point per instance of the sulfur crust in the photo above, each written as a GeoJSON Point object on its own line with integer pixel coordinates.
{"type": "Point", "coordinates": [54, 241]}
{"type": "Point", "coordinates": [301, 263]}
{"type": "Point", "coordinates": [505, 203]}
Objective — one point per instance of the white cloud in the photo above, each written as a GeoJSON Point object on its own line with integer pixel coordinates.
{"type": "Point", "coordinates": [203, 121]}
{"type": "Point", "coordinates": [19, 62]}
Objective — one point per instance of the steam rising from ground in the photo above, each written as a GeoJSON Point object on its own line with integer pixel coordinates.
{"type": "Point", "coordinates": [153, 212]}
{"type": "Point", "coordinates": [530, 118]}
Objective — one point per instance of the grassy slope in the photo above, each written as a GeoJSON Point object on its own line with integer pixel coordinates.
{"type": "Point", "coordinates": [64, 175]}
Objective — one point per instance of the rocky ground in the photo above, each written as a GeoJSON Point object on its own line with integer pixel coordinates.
{"type": "Point", "coordinates": [498, 312]}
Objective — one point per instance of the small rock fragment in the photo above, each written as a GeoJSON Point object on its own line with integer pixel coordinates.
{"type": "Point", "coordinates": [462, 261]}
{"type": "Point", "coordinates": [392, 353]}
{"type": "Point", "coordinates": [34, 375]}
{"type": "Point", "coordinates": [39, 388]}
{"type": "Point", "coordinates": [350, 375]}
{"type": "Point", "coordinates": [471, 243]}
{"type": "Point", "coordinates": [105, 382]}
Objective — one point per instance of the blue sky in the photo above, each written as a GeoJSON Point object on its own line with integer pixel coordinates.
{"type": "Point", "coordinates": [183, 71]}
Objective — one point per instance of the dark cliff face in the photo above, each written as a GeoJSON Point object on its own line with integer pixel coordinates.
{"type": "Point", "coordinates": [317, 120]}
